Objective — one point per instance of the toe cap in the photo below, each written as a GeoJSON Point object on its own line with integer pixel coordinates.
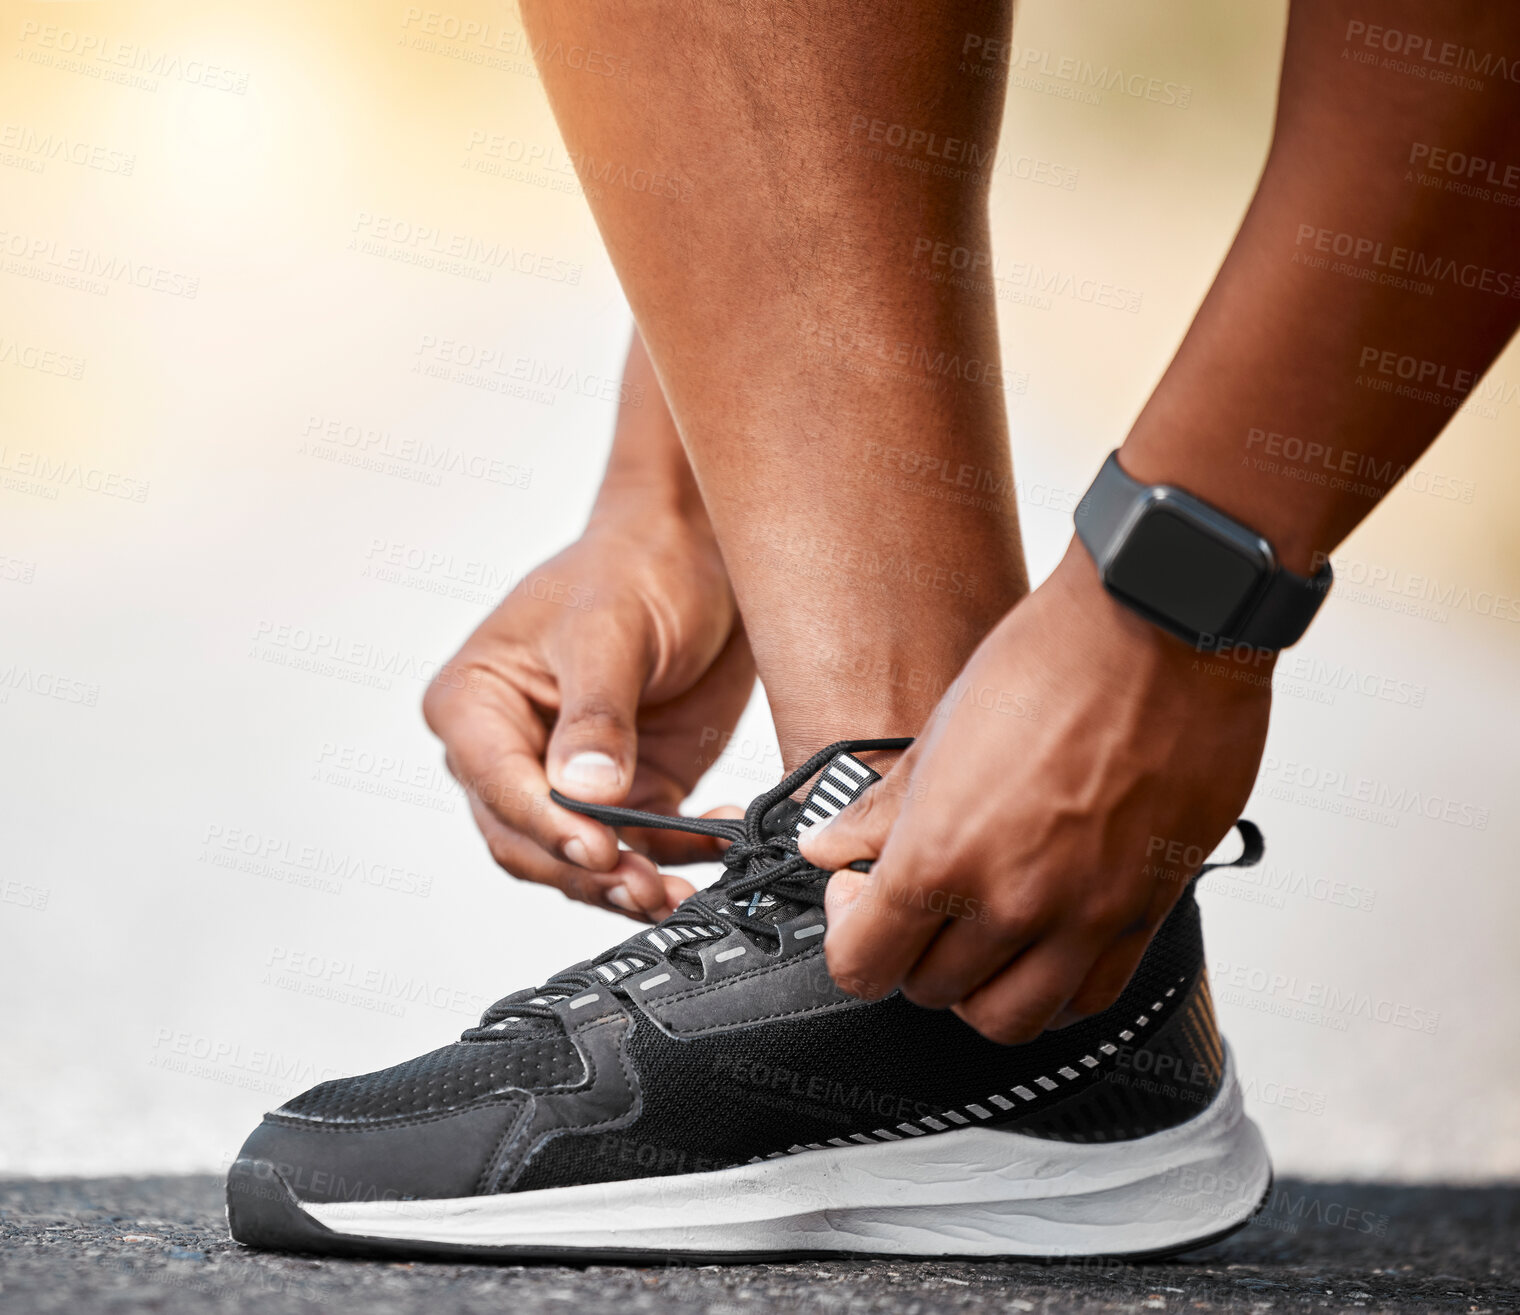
{"type": "Point", "coordinates": [425, 1159]}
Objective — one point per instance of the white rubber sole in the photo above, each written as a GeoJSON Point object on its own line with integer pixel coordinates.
{"type": "Point", "coordinates": [972, 1192]}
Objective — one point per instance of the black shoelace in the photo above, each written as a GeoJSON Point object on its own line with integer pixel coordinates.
{"type": "Point", "coordinates": [756, 863]}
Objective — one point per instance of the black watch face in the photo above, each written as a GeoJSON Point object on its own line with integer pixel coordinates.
{"type": "Point", "coordinates": [1189, 575]}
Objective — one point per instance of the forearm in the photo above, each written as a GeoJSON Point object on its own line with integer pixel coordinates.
{"type": "Point", "coordinates": [1286, 405]}
{"type": "Point", "coordinates": [647, 472]}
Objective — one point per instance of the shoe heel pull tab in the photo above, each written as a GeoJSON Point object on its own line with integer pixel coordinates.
{"type": "Point", "coordinates": [1253, 847]}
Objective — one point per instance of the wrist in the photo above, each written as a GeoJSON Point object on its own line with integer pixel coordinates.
{"type": "Point", "coordinates": [1112, 634]}
{"type": "Point", "coordinates": [659, 541]}
{"type": "Point", "coordinates": [1291, 525]}
{"type": "Point", "coordinates": [651, 502]}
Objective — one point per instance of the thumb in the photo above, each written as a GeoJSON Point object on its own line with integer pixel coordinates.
{"type": "Point", "coordinates": [846, 892]}
{"type": "Point", "coordinates": [594, 746]}
{"type": "Point", "coordinates": [855, 833]}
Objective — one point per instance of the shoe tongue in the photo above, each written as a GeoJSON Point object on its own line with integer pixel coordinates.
{"type": "Point", "coordinates": [838, 785]}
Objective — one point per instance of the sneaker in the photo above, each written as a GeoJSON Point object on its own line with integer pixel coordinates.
{"type": "Point", "coordinates": [704, 1092]}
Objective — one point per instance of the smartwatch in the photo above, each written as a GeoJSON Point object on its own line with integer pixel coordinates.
{"type": "Point", "coordinates": [1190, 569]}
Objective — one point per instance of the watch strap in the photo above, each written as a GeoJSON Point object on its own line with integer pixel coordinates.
{"type": "Point", "coordinates": [1104, 509]}
{"type": "Point", "coordinates": [1284, 609]}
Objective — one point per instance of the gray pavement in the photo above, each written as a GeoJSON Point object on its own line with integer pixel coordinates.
{"type": "Point", "coordinates": [124, 1245]}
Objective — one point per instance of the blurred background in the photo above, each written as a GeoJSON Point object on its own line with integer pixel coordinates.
{"type": "Point", "coordinates": [307, 352]}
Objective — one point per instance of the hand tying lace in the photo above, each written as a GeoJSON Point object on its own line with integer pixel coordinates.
{"type": "Point", "coordinates": [761, 861]}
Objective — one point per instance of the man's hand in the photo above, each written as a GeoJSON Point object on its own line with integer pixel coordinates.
{"type": "Point", "coordinates": [612, 672]}
{"type": "Point", "coordinates": [1023, 843]}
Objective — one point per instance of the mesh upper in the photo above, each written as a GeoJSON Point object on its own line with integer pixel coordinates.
{"type": "Point", "coordinates": [447, 1079]}
{"type": "Point", "coordinates": [712, 1101]}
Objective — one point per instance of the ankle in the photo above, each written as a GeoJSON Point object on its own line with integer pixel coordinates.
{"type": "Point", "coordinates": [872, 709]}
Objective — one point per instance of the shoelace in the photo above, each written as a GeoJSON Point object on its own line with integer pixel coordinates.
{"type": "Point", "coordinates": [756, 864]}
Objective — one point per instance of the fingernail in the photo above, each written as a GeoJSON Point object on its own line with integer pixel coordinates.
{"type": "Point", "coordinates": [595, 771]}
{"type": "Point", "coordinates": [619, 895]}
{"type": "Point", "coordinates": [575, 851]}
{"type": "Point", "coordinates": [809, 834]}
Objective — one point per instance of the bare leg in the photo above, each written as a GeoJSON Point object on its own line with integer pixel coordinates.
{"type": "Point", "coordinates": [771, 187]}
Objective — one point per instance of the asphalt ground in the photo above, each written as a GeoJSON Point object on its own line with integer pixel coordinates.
{"type": "Point", "coordinates": [124, 1245]}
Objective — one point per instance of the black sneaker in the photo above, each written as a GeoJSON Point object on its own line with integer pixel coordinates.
{"type": "Point", "coordinates": [704, 1092]}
